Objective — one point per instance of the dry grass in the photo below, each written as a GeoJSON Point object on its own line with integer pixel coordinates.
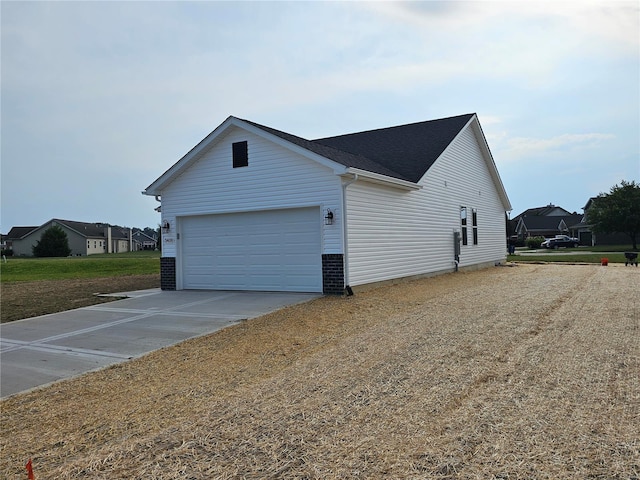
{"type": "Point", "coordinates": [30, 299]}
{"type": "Point", "coordinates": [525, 372]}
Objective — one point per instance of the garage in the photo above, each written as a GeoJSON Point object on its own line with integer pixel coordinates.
{"type": "Point", "coordinates": [273, 250]}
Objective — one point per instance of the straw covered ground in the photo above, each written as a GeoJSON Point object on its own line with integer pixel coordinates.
{"type": "Point", "coordinates": [528, 372]}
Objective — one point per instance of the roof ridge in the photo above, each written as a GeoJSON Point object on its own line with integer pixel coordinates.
{"type": "Point", "coordinates": [469, 115]}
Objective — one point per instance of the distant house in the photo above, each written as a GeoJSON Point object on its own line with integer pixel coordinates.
{"type": "Point", "coordinates": [84, 238]}
{"type": "Point", "coordinates": [15, 234]}
{"type": "Point", "coordinates": [142, 241]}
{"type": "Point", "coordinates": [582, 230]}
{"type": "Point", "coordinates": [254, 208]}
{"type": "Point", "coordinates": [547, 221]}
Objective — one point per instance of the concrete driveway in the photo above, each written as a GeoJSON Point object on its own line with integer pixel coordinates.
{"type": "Point", "coordinates": [41, 350]}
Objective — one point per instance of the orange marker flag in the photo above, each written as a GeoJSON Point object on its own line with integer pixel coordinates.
{"type": "Point", "coordinates": [29, 467]}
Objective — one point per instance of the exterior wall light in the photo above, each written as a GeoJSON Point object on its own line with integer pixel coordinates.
{"type": "Point", "coordinates": [328, 218]}
{"type": "Point", "coordinates": [166, 226]}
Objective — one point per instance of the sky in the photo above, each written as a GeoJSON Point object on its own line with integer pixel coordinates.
{"type": "Point", "coordinates": [98, 99]}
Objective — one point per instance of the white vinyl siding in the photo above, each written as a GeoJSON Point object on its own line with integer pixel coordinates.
{"type": "Point", "coordinates": [275, 178]}
{"type": "Point", "coordinates": [395, 234]}
{"type": "Point", "coordinates": [277, 250]}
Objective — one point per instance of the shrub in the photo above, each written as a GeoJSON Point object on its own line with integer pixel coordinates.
{"type": "Point", "coordinates": [52, 243]}
{"type": "Point", "coordinates": [535, 242]}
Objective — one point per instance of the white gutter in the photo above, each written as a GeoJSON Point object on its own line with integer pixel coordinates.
{"type": "Point", "coordinates": [345, 242]}
{"type": "Point", "coordinates": [382, 179]}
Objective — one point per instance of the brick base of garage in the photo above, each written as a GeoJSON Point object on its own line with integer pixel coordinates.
{"type": "Point", "coordinates": [333, 274]}
{"type": "Point", "coordinates": [167, 273]}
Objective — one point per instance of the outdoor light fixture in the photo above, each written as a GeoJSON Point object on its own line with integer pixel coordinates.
{"type": "Point", "coordinates": [166, 226]}
{"type": "Point", "coordinates": [328, 218]}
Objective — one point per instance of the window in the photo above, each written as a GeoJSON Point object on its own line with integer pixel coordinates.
{"type": "Point", "coordinates": [240, 154]}
{"type": "Point", "coordinates": [474, 224]}
{"type": "Point", "coordinates": [463, 224]}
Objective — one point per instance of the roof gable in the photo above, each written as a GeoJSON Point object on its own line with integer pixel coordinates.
{"type": "Point", "coordinates": [406, 150]}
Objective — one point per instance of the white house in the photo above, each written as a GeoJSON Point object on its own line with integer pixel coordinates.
{"type": "Point", "coordinates": [253, 208]}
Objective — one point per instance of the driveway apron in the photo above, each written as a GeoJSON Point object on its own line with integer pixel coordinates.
{"type": "Point", "coordinates": [41, 350]}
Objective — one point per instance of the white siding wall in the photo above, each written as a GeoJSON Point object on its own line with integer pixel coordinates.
{"type": "Point", "coordinates": [275, 178]}
{"type": "Point", "coordinates": [393, 233]}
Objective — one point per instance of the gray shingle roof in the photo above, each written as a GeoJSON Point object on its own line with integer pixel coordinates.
{"type": "Point", "coordinates": [339, 156]}
{"type": "Point", "coordinates": [19, 232]}
{"type": "Point", "coordinates": [405, 152]}
{"type": "Point", "coordinates": [409, 150]}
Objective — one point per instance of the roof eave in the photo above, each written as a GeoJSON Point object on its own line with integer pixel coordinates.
{"type": "Point", "coordinates": [382, 179]}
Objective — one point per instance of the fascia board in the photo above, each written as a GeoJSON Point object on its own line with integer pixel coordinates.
{"type": "Point", "coordinates": [190, 157]}
{"type": "Point", "coordinates": [382, 179]}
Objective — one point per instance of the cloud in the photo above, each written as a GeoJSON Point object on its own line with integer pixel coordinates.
{"type": "Point", "coordinates": [519, 147]}
{"type": "Point", "coordinates": [525, 42]}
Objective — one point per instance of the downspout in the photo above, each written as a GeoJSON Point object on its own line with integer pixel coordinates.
{"type": "Point", "coordinates": [345, 243]}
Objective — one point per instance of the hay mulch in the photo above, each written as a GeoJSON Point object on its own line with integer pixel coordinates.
{"type": "Point", "coordinates": [528, 372]}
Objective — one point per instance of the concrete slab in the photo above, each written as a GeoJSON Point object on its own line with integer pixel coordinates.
{"type": "Point", "coordinates": [41, 350]}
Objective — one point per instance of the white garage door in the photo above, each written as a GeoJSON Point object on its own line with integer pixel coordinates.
{"type": "Point", "coordinates": [277, 250]}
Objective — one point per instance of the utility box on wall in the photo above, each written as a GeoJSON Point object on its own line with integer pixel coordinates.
{"type": "Point", "coordinates": [456, 248]}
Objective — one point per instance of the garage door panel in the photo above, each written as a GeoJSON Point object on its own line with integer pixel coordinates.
{"type": "Point", "coordinates": [273, 250]}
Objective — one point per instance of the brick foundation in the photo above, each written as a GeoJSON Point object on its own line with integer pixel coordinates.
{"type": "Point", "coordinates": [167, 273]}
{"type": "Point", "coordinates": [333, 274]}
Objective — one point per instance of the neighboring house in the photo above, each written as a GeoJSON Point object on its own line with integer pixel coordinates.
{"type": "Point", "coordinates": [84, 238]}
{"type": "Point", "coordinates": [546, 226]}
{"type": "Point", "coordinates": [582, 230]}
{"type": "Point", "coordinates": [16, 233]}
{"type": "Point", "coordinates": [547, 221]}
{"type": "Point", "coordinates": [142, 241]}
{"type": "Point", "coordinates": [253, 208]}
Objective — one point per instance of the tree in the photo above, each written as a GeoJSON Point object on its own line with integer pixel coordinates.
{"type": "Point", "coordinates": [52, 243]}
{"type": "Point", "coordinates": [617, 211]}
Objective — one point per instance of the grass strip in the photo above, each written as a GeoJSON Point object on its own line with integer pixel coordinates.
{"type": "Point", "coordinates": [98, 266]}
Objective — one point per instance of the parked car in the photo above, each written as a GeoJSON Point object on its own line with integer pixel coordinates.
{"type": "Point", "coordinates": [560, 241]}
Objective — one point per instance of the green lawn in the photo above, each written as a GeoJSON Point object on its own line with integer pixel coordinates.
{"type": "Point", "coordinates": [568, 258]}
{"type": "Point", "coordinates": [614, 253]}
{"type": "Point", "coordinates": [17, 269]}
